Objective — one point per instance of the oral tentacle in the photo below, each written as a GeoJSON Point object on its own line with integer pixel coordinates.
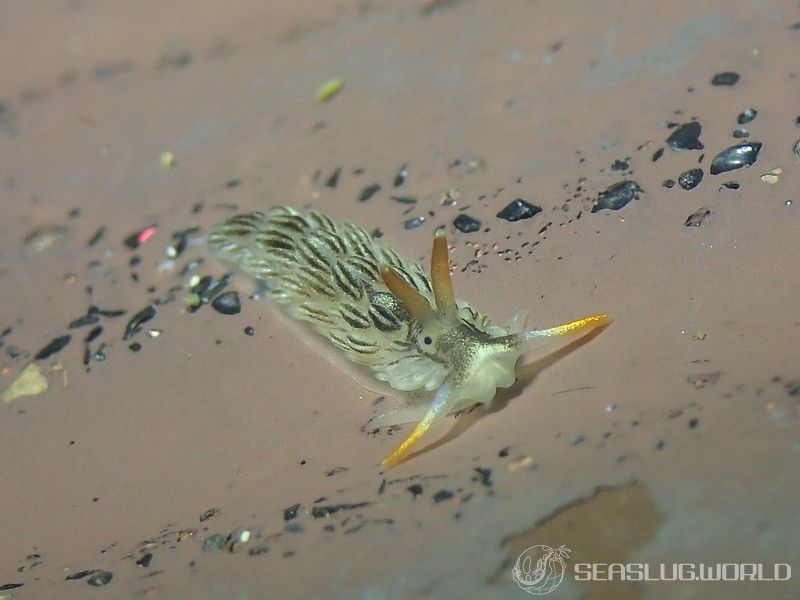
{"type": "Point", "coordinates": [440, 275]}
{"type": "Point", "coordinates": [416, 304]}
{"type": "Point", "coordinates": [441, 405]}
{"type": "Point", "coordinates": [528, 340]}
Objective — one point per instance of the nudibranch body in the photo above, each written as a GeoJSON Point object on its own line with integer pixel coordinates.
{"type": "Point", "coordinates": [383, 312]}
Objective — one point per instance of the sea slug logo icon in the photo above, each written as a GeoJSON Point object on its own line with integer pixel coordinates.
{"type": "Point", "coordinates": [539, 569]}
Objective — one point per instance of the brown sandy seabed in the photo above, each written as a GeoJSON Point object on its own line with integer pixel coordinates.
{"type": "Point", "coordinates": [671, 437]}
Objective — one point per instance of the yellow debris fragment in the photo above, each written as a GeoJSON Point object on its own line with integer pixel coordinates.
{"type": "Point", "coordinates": [329, 89]}
{"type": "Point", "coordinates": [30, 382]}
{"type": "Point", "coordinates": [772, 176]}
{"type": "Point", "coordinates": [168, 159]}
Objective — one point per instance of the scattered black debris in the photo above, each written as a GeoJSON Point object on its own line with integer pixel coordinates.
{"type": "Point", "coordinates": [400, 177]}
{"type": "Point", "coordinates": [686, 137]}
{"type": "Point", "coordinates": [793, 387]}
{"type": "Point", "coordinates": [227, 303]}
{"type": "Point", "coordinates": [659, 445]}
{"type": "Point", "coordinates": [291, 512]}
{"type": "Point", "coordinates": [731, 185]}
{"type": "Point", "coordinates": [414, 222]}
{"type": "Point", "coordinates": [145, 560]}
{"type": "Point", "coordinates": [109, 70]}
{"type": "Point", "coordinates": [442, 495]}
{"type": "Point", "coordinates": [181, 241]}
{"type": "Point", "coordinates": [106, 312]}
{"type": "Point", "coordinates": [465, 165]}
{"type": "Point", "coordinates": [404, 199]}
{"type": "Point", "coordinates": [335, 471]}
{"type": "Point", "coordinates": [415, 489]}
{"type": "Point", "coordinates": [746, 116]}
{"type": "Point", "coordinates": [658, 154]}
{"type": "Point", "coordinates": [233, 183]}
{"type": "Point", "coordinates": [79, 575]}
{"type": "Point", "coordinates": [135, 346]}
{"type": "Point", "coordinates": [93, 334]}
{"type": "Point", "coordinates": [96, 237]}
{"type": "Point", "coordinates": [368, 192]}
{"type": "Point", "coordinates": [209, 514]}
{"type": "Point", "coordinates": [190, 265]}
{"type": "Point", "coordinates": [333, 180]}
{"type": "Point", "coordinates": [258, 550]}
{"type": "Point", "coordinates": [55, 345]}
{"type": "Point", "coordinates": [504, 451]}
{"type": "Point", "coordinates": [796, 148]}
{"type": "Point", "coordinates": [519, 209]}
{"type": "Point", "coordinates": [10, 586]}
{"type": "Point", "coordinates": [690, 179]}
{"type": "Point", "coordinates": [466, 224]}
{"type": "Point", "coordinates": [620, 165]}
{"type": "Point", "coordinates": [137, 238]}
{"type": "Point", "coordinates": [134, 326]}
{"type": "Point", "coordinates": [214, 542]}
{"type": "Point", "coordinates": [735, 157]}
{"type": "Point", "coordinates": [431, 6]}
{"type": "Point", "coordinates": [696, 218]}
{"type": "Point", "coordinates": [701, 380]}
{"type": "Point", "coordinates": [483, 475]}
{"type": "Point", "coordinates": [668, 183]}
{"type": "Point", "coordinates": [100, 578]}
{"type": "Point", "coordinates": [741, 133]}
{"type": "Point", "coordinates": [579, 439]}
{"type": "Point", "coordinates": [206, 289]}
{"type": "Point", "coordinates": [329, 509]}
{"type": "Point", "coordinates": [249, 330]}
{"type": "Point", "coordinates": [175, 58]}
{"type": "Point", "coordinates": [89, 318]}
{"type": "Point", "coordinates": [618, 195]}
{"type": "Point", "coordinates": [725, 78]}
{"type": "Point", "coordinates": [693, 422]}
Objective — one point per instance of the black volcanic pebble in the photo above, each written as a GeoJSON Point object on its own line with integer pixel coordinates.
{"type": "Point", "coordinates": [291, 512]}
{"type": "Point", "coordinates": [134, 326]}
{"type": "Point", "coordinates": [333, 180]}
{"type": "Point", "coordinates": [414, 222]}
{"type": "Point", "coordinates": [668, 183]}
{"type": "Point", "coordinates": [686, 137]}
{"type": "Point", "coordinates": [227, 303]}
{"type": "Point", "coordinates": [54, 346]}
{"type": "Point", "coordinates": [726, 78]}
{"type": "Point", "coordinates": [618, 195]}
{"type": "Point", "coordinates": [741, 133]}
{"type": "Point", "coordinates": [735, 157]}
{"type": "Point", "coordinates": [400, 177]}
{"type": "Point", "coordinates": [466, 224]}
{"type": "Point", "coordinates": [620, 165]}
{"type": "Point", "coordinates": [690, 179]}
{"type": "Point", "coordinates": [100, 578]}
{"type": "Point", "coordinates": [442, 495]}
{"type": "Point", "coordinates": [368, 192]}
{"type": "Point", "coordinates": [746, 116]}
{"type": "Point", "coordinates": [519, 209]}
{"type": "Point", "coordinates": [697, 217]}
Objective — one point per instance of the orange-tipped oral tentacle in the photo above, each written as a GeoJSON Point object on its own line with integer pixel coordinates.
{"type": "Point", "coordinates": [416, 304]}
{"type": "Point", "coordinates": [440, 275]}
{"type": "Point", "coordinates": [438, 410]}
{"type": "Point", "coordinates": [530, 339]}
